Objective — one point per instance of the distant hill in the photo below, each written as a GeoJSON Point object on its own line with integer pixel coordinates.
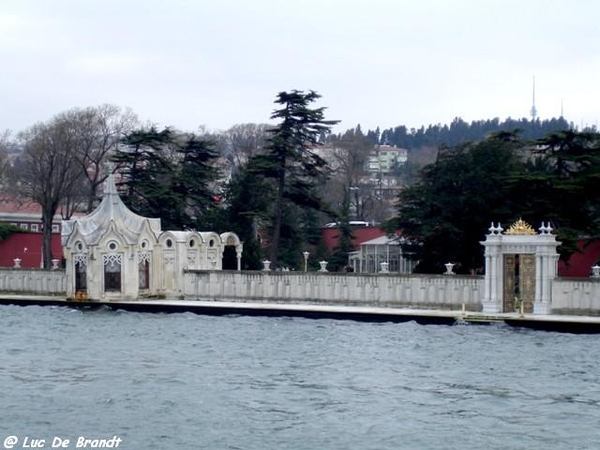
{"type": "Point", "coordinates": [460, 131]}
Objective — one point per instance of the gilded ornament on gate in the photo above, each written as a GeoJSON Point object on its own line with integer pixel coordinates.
{"type": "Point", "coordinates": [520, 227]}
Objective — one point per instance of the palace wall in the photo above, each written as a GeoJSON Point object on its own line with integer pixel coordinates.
{"type": "Point", "coordinates": [576, 296]}
{"type": "Point", "coordinates": [33, 281]}
{"type": "Point", "coordinates": [416, 291]}
{"type": "Point", "coordinates": [569, 296]}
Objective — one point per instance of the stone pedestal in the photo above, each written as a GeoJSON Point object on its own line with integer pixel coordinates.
{"type": "Point", "coordinates": [541, 308]}
{"type": "Point", "coordinates": [491, 307]}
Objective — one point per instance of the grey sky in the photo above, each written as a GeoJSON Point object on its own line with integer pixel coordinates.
{"type": "Point", "coordinates": [375, 62]}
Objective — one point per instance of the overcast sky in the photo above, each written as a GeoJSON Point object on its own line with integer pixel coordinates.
{"type": "Point", "coordinates": [217, 63]}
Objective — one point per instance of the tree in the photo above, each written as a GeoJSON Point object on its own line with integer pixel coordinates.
{"type": "Point", "coordinates": [144, 171]}
{"type": "Point", "coordinates": [349, 156]}
{"type": "Point", "coordinates": [48, 171]}
{"type": "Point", "coordinates": [168, 175]}
{"type": "Point", "coordinates": [560, 185]}
{"type": "Point", "coordinates": [196, 176]}
{"type": "Point", "coordinates": [244, 141]}
{"type": "Point", "coordinates": [4, 143]}
{"type": "Point", "coordinates": [100, 130]}
{"type": "Point", "coordinates": [339, 257]}
{"type": "Point", "coordinates": [248, 201]}
{"type": "Point", "coordinates": [444, 216]}
{"type": "Point", "coordinates": [291, 161]}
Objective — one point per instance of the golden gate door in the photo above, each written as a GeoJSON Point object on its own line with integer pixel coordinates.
{"type": "Point", "coordinates": [527, 281]}
{"type": "Point", "coordinates": [508, 301]}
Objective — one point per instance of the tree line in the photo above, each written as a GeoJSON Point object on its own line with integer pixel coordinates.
{"type": "Point", "coordinates": [444, 216]}
{"type": "Point", "coordinates": [275, 186]}
{"type": "Point", "coordinates": [258, 181]}
{"type": "Point", "coordinates": [459, 131]}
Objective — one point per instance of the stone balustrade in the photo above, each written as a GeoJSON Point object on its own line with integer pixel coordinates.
{"type": "Point", "coordinates": [33, 281]}
{"type": "Point", "coordinates": [569, 296]}
{"type": "Point", "coordinates": [576, 296]}
{"type": "Point", "coordinates": [431, 291]}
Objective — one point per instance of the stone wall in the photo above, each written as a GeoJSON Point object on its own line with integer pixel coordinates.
{"type": "Point", "coordinates": [431, 291]}
{"type": "Point", "coordinates": [33, 281]}
{"type": "Point", "coordinates": [576, 296]}
{"type": "Point", "coordinates": [569, 296]}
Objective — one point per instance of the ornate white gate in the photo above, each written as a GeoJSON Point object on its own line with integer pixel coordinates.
{"type": "Point", "coordinates": [520, 265]}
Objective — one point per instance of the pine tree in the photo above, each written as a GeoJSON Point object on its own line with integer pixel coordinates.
{"type": "Point", "coordinates": [168, 176]}
{"type": "Point", "coordinates": [291, 161]}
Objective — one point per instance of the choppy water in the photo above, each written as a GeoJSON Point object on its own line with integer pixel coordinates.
{"type": "Point", "coordinates": [193, 382]}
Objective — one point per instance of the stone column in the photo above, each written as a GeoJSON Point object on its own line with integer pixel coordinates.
{"type": "Point", "coordinates": [238, 254]}
{"type": "Point", "coordinates": [492, 300]}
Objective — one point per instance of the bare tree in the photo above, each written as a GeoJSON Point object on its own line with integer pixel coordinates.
{"type": "Point", "coordinates": [4, 142]}
{"type": "Point", "coordinates": [243, 141]}
{"type": "Point", "coordinates": [48, 171]}
{"type": "Point", "coordinates": [99, 131]}
{"type": "Point", "coordinates": [349, 156]}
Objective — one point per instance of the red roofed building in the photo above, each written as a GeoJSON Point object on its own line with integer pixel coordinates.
{"type": "Point", "coordinates": [26, 246]}
{"type": "Point", "coordinates": [360, 234]}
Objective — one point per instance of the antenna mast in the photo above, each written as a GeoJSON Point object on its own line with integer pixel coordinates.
{"type": "Point", "coordinates": [533, 108]}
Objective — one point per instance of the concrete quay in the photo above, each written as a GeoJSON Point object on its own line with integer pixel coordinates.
{"type": "Point", "coordinates": [557, 323]}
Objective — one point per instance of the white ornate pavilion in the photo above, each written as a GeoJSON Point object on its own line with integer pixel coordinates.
{"type": "Point", "coordinates": [115, 254]}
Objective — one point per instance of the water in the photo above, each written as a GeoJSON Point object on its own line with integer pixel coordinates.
{"type": "Point", "coordinates": [184, 381]}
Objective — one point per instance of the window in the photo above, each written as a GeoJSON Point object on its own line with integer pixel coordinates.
{"type": "Point", "coordinates": [80, 277]}
{"type": "Point", "coordinates": [112, 273]}
{"type": "Point", "coordinates": [56, 228]}
{"type": "Point", "coordinates": [144, 274]}
{"type": "Point", "coordinates": [34, 227]}
{"type": "Point", "coordinates": [23, 226]}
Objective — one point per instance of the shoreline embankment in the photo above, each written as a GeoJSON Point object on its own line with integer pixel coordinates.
{"type": "Point", "coordinates": [550, 322]}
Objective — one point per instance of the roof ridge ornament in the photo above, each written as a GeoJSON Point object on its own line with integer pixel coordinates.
{"type": "Point", "coordinates": [521, 228]}
{"type": "Point", "coordinates": [496, 230]}
{"type": "Point", "coordinates": [546, 229]}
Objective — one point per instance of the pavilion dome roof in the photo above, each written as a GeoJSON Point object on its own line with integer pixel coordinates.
{"type": "Point", "coordinates": [110, 211]}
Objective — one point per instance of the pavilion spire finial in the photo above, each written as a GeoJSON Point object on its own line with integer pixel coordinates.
{"type": "Point", "coordinates": [109, 184]}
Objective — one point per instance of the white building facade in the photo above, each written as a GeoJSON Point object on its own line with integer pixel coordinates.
{"type": "Point", "coordinates": [115, 254]}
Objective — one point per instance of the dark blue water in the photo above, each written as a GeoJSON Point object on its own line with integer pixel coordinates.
{"type": "Point", "coordinates": [194, 382]}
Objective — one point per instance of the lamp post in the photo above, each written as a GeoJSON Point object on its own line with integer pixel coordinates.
{"type": "Point", "coordinates": [305, 254]}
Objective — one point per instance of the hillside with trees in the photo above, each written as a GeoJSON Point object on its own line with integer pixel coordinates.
{"type": "Point", "coordinates": [276, 186]}
{"type": "Point", "coordinates": [459, 131]}
{"type": "Point", "coordinates": [500, 179]}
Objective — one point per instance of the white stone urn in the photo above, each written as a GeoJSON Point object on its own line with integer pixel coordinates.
{"type": "Point", "coordinates": [266, 265]}
{"type": "Point", "coordinates": [55, 264]}
{"type": "Point", "coordinates": [323, 265]}
{"type": "Point", "coordinates": [596, 271]}
{"type": "Point", "coordinates": [449, 267]}
{"type": "Point", "coordinates": [384, 267]}
{"type": "Point", "coordinates": [17, 262]}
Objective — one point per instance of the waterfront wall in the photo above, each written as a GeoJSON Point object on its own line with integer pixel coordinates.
{"type": "Point", "coordinates": [576, 296]}
{"type": "Point", "coordinates": [33, 281]}
{"type": "Point", "coordinates": [430, 291]}
{"type": "Point", "coordinates": [569, 295]}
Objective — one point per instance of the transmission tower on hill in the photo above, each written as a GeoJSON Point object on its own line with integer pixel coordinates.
{"type": "Point", "coordinates": [533, 108]}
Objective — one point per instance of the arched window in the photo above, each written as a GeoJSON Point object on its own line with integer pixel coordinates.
{"type": "Point", "coordinates": [80, 273]}
{"type": "Point", "coordinates": [112, 273]}
{"type": "Point", "coordinates": [144, 271]}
